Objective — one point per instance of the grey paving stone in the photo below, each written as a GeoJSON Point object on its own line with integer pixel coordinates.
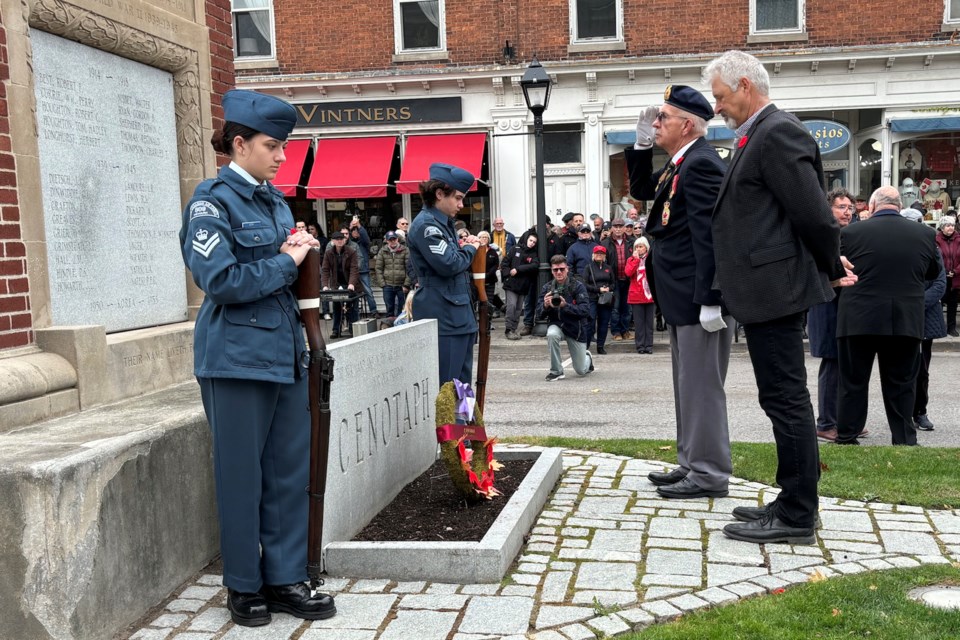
{"type": "Point", "coordinates": [636, 618]}
{"type": "Point", "coordinates": [547, 522]}
{"type": "Point", "coordinates": [334, 585]}
{"type": "Point", "coordinates": [908, 508]}
{"type": "Point", "coordinates": [575, 532]}
{"type": "Point", "coordinates": [211, 580]}
{"type": "Point", "coordinates": [592, 523]}
{"type": "Point", "coordinates": [785, 562]}
{"type": "Point", "coordinates": [480, 589]}
{"type": "Point", "coordinates": [902, 563]}
{"type": "Point", "coordinates": [849, 567]}
{"type": "Point", "coordinates": [856, 547]}
{"type": "Point", "coordinates": [422, 625]}
{"type": "Point", "coordinates": [950, 538]}
{"type": "Point", "coordinates": [200, 593]}
{"type": "Point", "coordinates": [442, 588]}
{"type": "Point", "coordinates": [945, 522]}
{"type": "Point", "coordinates": [716, 595]}
{"type": "Point", "coordinates": [661, 610]}
{"type": "Point", "coordinates": [151, 634]}
{"type": "Point", "coordinates": [933, 560]}
{"type": "Point", "coordinates": [338, 634]}
{"type": "Point", "coordinates": [578, 632]}
{"type": "Point", "coordinates": [534, 557]}
{"type": "Point", "coordinates": [545, 539]}
{"type": "Point", "coordinates": [674, 528]}
{"type": "Point", "coordinates": [669, 562]}
{"type": "Point", "coordinates": [409, 587]}
{"type": "Point", "coordinates": [211, 619]}
{"type": "Point", "coordinates": [544, 531]}
{"type": "Point", "coordinates": [519, 590]}
{"type": "Point", "coordinates": [806, 550]}
{"type": "Point", "coordinates": [617, 576]}
{"type": "Point", "coordinates": [728, 504]}
{"type": "Point", "coordinates": [674, 543]}
{"type": "Point", "coordinates": [688, 602]}
{"type": "Point", "coordinates": [552, 616]}
{"type": "Point", "coordinates": [185, 604]}
{"type": "Point", "coordinates": [900, 517]}
{"type": "Point", "coordinates": [605, 598]}
{"type": "Point", "coordinates": [876, 564]}
{"type": "Point", "coordinates": [793, 577]}
{"type": "Point", "coordinates": [549, 635]}
{"type": "Point", "coordinates": [530, 567]}
{"type": "Point", "coordinates": [608, 493]}
{"type": "Point", "coordinates": [602, 505]}
{"type": "Point", "coordinates": [503, 615]}
{"type": "Point", "coordinates": [697, 504]}
{"type": "Point", "coordinates": [846, 520]}
{"type": "Point", "coordinates": [601, 556]}
{"type": "Point", "coordinates": [526, 578]}
{"type": "Point", "coordinates": [200, 635]}
{"type": "Point", "coordinates": [560, 565]}
{"type": "Point", "coordinates": [169, 620]}
{"type": "Point", "coordinates": [917, 544]}
{"type": "Point", "coordinates": [769, 582]}
{"type": "Point", "coordinates": [616, 540]}
{"type": "Point", "coordinates": [358, 611]}
{"type": "Point", "coordinates": [435, 602]}
{"type": "Point", "coordinates": [667, 580]}
{"type": "Point", "coordinates": [608, 625]}
{"type": "Point", "coordinates": [856, 536]}
{"type": "Point", "coordinates": [745, 589]}
{"type": "Point", "coordinates": [281, 627]}
{"type": "Point", "coordinates": [575, 543]}
{"type": "Point", "coordinates": [634, 526]}
{"type": "Point", "coordinates": [723, 574]}
{"type": "Point", "coordinates": [903, 526]}
{"type": "Point", "coordinates": [555, 586]}
{"type": "Point", "coordinates": [721, 549]}
{"type": "Point", "coordinates": [657, 593]}
{"type": "Point", "coordinates": [369, 586]}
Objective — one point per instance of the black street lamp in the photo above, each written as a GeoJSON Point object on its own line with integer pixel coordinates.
{"type": "Point", "coordinates": [536, 85]}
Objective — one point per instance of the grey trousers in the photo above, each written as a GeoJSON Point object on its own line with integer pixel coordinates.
{"type": "Point", "coordinates": [700, 361]}
{"type": "Point", "coordinates": [578, 352]}
{"type": "Point", "coordinates": [514, 308]}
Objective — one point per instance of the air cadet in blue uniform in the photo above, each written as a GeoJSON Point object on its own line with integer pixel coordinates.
{"type": "Point", "coordinates": [443, 268]}
{"type": "Point", "coordinates": [237, 242]}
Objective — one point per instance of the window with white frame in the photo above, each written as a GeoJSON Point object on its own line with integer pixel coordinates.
{"type": "Point", "coordinates": [253, 28]}
{"type": "Point", "coordinates": [419, 25]}
{"type": "Point", "coordinates": [776, 16]}
{"type": "Point", "coordinates": [592, 20]}
{"type": "Point", "coordinates": [951, 12]}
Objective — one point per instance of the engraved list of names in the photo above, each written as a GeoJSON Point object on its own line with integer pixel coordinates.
{"type": "Point", "coordinates": [110, 182]}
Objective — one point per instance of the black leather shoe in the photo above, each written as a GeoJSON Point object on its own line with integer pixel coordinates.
{"type": "Point", "coordinates": [687, 488]}
{"type": "Point", "coordinates": [750, 514]}
{"type": "Point", "coordinates": [769, 528]}
{"type": "Point", "coordinates": [660, 479]}
{"type": "Point", "coordinates": [296, 600]}
{"type": "Point", "coordinates": [247, 609]}
{"type": "Point", "coordinates": [334, 334]}
{"type": "Point", "coordinates": [601, 351]}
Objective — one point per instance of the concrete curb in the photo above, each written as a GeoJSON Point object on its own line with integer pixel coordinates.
{"type": "Point", "coordinates": [486, 561]}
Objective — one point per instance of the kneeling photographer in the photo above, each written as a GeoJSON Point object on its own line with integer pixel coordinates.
{"type": "Point", "coordinates": [564, 304]}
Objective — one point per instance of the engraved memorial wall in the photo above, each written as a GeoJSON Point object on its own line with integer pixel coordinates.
{"type": "Point", "coordinates": [109, 177]}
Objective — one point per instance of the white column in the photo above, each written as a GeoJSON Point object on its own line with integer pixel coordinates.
{"type": "Point", "coordinates": [511, 158]}
{"type": "Point", "coordinates": [594, 160]}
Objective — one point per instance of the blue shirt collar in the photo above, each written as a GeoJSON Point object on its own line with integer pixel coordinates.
{"type": "Point", "coordinates": [886, 212]}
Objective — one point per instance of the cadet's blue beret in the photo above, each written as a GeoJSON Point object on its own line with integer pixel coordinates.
{"type": "Point", "coordinates": [455, 177]}
{"type": "Point", "coordinates": [689, 99]}
{"type": "Point", "coordinates": [266, 114]}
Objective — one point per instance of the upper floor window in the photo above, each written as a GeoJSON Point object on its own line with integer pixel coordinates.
{"type": "Point", "coordinates": [776, 16]}
{"type": "Point", "coordinates": [596, 20]}
{"type": "Point", "coordinates": [419, 25]}
{"type": "Point", "coordinates": [952, 11]}
{"type": "Point", "coordinates": [253, 28]}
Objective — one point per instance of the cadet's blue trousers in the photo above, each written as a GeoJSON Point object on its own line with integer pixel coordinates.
{"type": "Point", "coordinates": [456, 357]}
{"type": "Point", "coordinates": [261, 456]}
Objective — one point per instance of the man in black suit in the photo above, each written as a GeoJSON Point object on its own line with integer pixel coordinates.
{"type": "Point", "coordinates": [683, 194]}
{"type": "Point", "coordinates": [778, 249]}
{"type": "Point", "coordinates": [883, 315]}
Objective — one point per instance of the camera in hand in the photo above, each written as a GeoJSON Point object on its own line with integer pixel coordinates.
{"type": "Point", "coordinates": [556, 295]}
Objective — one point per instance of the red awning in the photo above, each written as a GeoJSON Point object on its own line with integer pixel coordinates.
{"type": "Point", "coordinates": [288, 178]}
{"type": "Point", "coordinates": [351, 167]}
{"type": "Point", "coordinates": [464, 150]}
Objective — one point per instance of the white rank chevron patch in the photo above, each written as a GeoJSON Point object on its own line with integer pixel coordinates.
{"type": "Point", "coordinates": [204, 245]}
{"type": "Point", "coordinates": [431, 231]}
{"type": "Point", "coordinates": [440, 248]}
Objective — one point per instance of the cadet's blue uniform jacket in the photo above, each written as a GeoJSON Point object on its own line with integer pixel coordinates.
{"type": "Point", "coordinates": [248, 326]}
{"type": "Point", "coordinates": [443, 270]}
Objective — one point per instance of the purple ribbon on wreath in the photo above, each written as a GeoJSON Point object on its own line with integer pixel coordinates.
{"type": "Point", "coordinates": [466, 402]}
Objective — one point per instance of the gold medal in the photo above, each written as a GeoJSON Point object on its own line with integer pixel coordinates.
{"type": "Point", "coordinates": [665, 217]}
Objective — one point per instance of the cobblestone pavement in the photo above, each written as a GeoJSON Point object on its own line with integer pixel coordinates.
{"type": "Point", "coordinates": [606, 556]}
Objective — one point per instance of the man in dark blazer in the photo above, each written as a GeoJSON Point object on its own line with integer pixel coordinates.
{"type": "Point", "coordinates": [883, 315]}
{"type": "Point", "coordinates": [778, 249]}
{"type": "Point", "coordinates": [682, 261]}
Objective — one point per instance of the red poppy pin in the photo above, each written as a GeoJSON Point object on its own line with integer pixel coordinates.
{"type": "Point", "coordinates": [743, 141]}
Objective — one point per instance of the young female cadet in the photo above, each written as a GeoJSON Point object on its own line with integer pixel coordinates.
{"type": "Point", "coordinates": [248, 358]}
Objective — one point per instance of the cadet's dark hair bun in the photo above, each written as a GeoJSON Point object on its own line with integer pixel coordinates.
{"type": "Point", "coordinates": [222, 138]}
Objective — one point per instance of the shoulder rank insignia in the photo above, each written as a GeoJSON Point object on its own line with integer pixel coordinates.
{"type": "Point", "coordinates": [431, 231]}
{"type": "Point", "coordinates": [202, 208]}
{"type": "Point", "coordinates": [440, 248]}
{"type": "Point", "coordinates": [204, 243]}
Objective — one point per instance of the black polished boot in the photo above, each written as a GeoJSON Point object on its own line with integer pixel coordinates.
{"type": "Point", "coordinates": [248, 609]}
{"type": "Point", "coordinates": [296, 600]}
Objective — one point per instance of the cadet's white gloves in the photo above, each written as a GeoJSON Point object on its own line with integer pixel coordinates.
{"type": "Point", "coordinates": [711, 319]}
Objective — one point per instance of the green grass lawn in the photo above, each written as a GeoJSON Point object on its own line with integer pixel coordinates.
{"type": "Point", "coordinates": [922, 476]}
{"type": "Point", "coordinates": [868, 605]}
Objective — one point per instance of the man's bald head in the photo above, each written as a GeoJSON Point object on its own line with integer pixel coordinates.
{"type": "Point", "coordinates": [885, 198]}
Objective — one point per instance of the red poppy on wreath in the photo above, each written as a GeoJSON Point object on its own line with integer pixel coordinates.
{"type": "Point", "coordinates": [742, 142]}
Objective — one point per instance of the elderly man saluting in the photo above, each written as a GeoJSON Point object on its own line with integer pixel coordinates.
{"type": "Point", "coordinates": [684, 193]}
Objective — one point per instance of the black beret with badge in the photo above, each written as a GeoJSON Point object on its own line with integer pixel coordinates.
{"type": "Point", "coordinates": [688, 99]}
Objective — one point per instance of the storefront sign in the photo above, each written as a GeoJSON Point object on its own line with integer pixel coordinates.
{"type": "Point", "coordinates": [830, 136]}
{"type": "Point", "coordinates": [360, 113]}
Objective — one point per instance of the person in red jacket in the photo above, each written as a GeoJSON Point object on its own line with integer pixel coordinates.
{"type": "Point", "coordinates": [639, 297]}
{"type": "Point", "coordinates": [949, 243]}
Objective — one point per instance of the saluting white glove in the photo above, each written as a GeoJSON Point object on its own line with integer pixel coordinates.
{"type": "Point", "coordinates": [711, 318]}
{"type": "Point", "coordinates": [645, 128]}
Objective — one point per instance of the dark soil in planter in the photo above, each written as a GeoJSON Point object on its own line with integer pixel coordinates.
{"type": "Point", "coordinates": [430, 509]}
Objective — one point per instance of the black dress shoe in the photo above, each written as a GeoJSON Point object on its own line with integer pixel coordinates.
{"type": "Point", "coordinates": [248, 609]}
{"type": "Point", "coordinates": [296, 600]}
{"type": "Point", "coordinates": [601, 351]}
{"type": "Point", "coordinates": [660, 479]}
{"type": "Point", "coordinates": [687, 488]}
{"type": "Point", "coordinates": [750, 514]}
{"type": "Point", "coordinates": [769, 528]}
{"type": "Point", "coordinates": [334, 334]}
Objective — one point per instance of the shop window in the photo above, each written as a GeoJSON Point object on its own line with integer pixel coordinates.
{"type": "Point", "coordinates": [592, 20]}
{"type": "Point", "coordinates": [776, 16]}
{"type": "Point", "coordinates": [928, 171]}
{"type": "Point", "coordinates": [561, 144]}
{"type": "Point", "coordinates": [419, 25]}
{"type": "Point", "coordinates": [253, 28]}
{"type": "Point", "coordinates": [952, 11]}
